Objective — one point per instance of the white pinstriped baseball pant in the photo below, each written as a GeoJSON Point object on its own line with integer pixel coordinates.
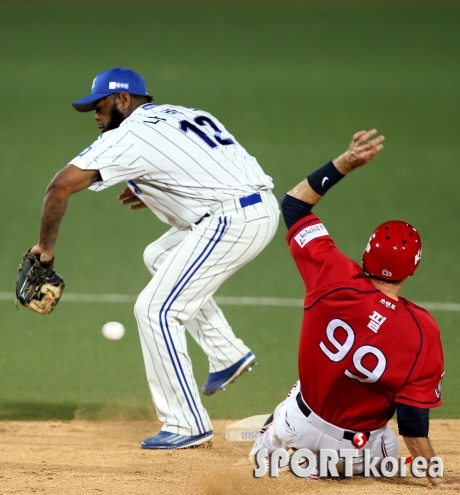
{"type": "Point", "coordinates": [187, 268]}
{"type": "Point", "coordinates": [292, 429]}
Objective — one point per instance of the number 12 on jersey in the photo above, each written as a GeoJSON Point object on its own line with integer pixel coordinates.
{"type": "Point", "coordinates": [203, 121]}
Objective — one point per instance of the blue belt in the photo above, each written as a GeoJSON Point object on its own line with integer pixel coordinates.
{"type": "Point", "coordinates": [253, 199]}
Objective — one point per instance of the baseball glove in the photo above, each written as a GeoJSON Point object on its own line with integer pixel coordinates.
{"type": "Point", "coordinates": [38, 287]}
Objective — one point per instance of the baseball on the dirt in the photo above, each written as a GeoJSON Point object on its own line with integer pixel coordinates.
{"type": "Point", "coordinates": [113, 330]}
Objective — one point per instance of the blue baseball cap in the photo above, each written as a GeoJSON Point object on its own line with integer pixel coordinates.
{"type": "Point", "coordinates": [109, 82]}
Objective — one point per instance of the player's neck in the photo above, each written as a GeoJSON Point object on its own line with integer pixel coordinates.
{"type": "Point", "coordinates": [389, 289]}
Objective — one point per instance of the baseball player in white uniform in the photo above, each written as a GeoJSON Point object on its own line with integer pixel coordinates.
{"type": "Point", "coordinates": [192, 173]}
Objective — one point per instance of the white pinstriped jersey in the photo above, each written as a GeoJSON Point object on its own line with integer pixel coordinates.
{"type": "Point", "coordinates": [180, 161]}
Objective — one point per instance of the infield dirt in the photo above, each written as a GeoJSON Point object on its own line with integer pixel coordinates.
{"type": "Point", "coordinates": [89, 457]}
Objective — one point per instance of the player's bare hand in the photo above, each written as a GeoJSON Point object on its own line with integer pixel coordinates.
{"type": "Point", "coordinates": [448, 484]}
{"type": "Point", "coordinates": [127, 197]}
{"type": "Point", "coordinates": [362, 150]}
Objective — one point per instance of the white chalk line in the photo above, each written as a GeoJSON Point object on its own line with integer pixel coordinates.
{"type": "Point", "coordinates": [224, 300]}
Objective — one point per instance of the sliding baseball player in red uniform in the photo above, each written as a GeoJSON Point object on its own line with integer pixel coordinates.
{"type": "Point", "coordinates": [365, 351]}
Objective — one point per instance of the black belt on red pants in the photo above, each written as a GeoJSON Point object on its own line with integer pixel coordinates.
{"type": "Point", "coordinates": [347, 434]}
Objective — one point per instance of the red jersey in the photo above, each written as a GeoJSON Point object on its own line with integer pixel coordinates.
{"type": "Point", "coordinates": [360, 351]}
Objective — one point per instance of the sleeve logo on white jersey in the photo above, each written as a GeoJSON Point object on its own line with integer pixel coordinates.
{"type": "Point", "coordinates": [85, 150]}
{"type": "Point", "coordinates": [309, 233]}
{"type": "Point", "coordinates": [134, 188]}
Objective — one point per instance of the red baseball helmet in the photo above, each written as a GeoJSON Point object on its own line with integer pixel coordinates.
{"type": "Point", "coordinates": [393, 251]}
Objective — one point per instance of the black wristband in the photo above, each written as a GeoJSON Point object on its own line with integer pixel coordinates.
{"type": "Point", "coordinates": [324, 178]}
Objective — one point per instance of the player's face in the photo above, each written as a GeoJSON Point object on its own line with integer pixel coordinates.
{"type": "Point", "coordinates": [107, 115]}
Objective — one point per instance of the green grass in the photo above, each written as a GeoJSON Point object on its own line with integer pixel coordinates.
{"type": "Point", "coordinates": [292, 81]}
{"type": "Point", "coordinates": [60, 366]}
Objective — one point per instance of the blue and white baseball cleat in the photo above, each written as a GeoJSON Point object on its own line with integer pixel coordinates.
{"type": "Point", "coordinates": [220, 379]}
{"type": "Point", "coordinates": [168, 440]}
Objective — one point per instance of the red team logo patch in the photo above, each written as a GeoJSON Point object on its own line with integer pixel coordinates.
{"type": "Point", "coordinates": [360, 440]}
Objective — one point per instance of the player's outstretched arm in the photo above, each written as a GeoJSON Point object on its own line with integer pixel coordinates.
{"type": "Point", "coordinates": [362, 150]}
{"type": "Point", "coordinates": [413, 426]}
{"type": "Point", "coordinates": [421, 447]}
{"type": "Point", "coordinates": [298, 202]}
{"type": "Point", "coordinates": [67, 181]}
